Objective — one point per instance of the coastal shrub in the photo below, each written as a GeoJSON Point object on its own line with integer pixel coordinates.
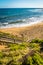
{"type": "Point", "coordinates": [5, 60]}
{"type": "Point", "coordinates": [29, 61]}
{"type": "Point", "coordinates": [35, 46]}
{"type": "Point", "coordinates": [23, 45]}
{"type": "Point", "coordinates": [1, 55]}
{"type": "Point", "coordinates": [13, 62]}
{"type": "Point", "coordinates": [18, 46]}
{"type": "Point", "coordinates": [37, 59]}
{"type": "Point", "coordinates": [37, 41]}
{"type": "Point", "coordinates": [1, 63]}
{"type": "Point", "coordinates": [41, 43]}
{"type": "Point", "coordinates": [13, 46]}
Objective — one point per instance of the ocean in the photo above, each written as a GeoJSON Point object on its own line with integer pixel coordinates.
{"type": "Point", "coordinates": [18, 17]}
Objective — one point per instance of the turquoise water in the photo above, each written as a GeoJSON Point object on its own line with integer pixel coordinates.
{"type": "Point", "coordinates": [15, 17]}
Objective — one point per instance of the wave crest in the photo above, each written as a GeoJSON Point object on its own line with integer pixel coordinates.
{"type": "Point", "coordinates": [23, 22]}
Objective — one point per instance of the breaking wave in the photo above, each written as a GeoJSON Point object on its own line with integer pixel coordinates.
{"type": "Point", "coordinates": [22, 22]}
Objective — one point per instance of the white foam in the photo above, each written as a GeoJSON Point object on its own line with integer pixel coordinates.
{"type": "Point", "coordinates": [36, 10]}
{"type": "Point", "coordinates": [19, 25]}
{"type": "Point", "coordinates": [26, 22]}
{"type": "Point", "coordinates": [5, 23]}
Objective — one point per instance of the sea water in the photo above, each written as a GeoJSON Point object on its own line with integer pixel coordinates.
{"type": "Point", "coordinates": [18, 17]}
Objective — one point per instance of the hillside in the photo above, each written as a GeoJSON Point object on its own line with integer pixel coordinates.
{"type": "Point", "coordinates": [15, 50]}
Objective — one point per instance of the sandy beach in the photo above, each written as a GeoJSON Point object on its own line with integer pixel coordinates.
{"type": "Point", "coordinates": [33, 31]}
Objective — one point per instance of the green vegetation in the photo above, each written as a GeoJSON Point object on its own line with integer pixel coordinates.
{"type": "Point", "coordinates": [35, 60]}
{"type": "Point", "coordinates": [35, 46]}
{"type": "Point", "coordinates": [21, 53]}
{"type": "Point", "coordinates": [37, 41]}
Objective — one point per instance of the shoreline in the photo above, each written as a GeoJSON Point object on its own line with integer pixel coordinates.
{"type": "Point", "coordinates": [20, 25]}
{"type": "Point", "coordinates": [30, 32]}
{"type": "Point", "coordinates": [17, 29]}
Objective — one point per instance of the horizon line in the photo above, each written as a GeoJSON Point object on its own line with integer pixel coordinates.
{"type": "Point", "coordinates": [21, 7]}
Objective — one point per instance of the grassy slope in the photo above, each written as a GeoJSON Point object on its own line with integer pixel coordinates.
{"type": "Point", "coordinates": [22, 53]}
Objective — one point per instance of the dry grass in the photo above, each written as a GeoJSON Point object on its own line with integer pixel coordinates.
{"type": "Point", "coordinates": [2, 47]}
